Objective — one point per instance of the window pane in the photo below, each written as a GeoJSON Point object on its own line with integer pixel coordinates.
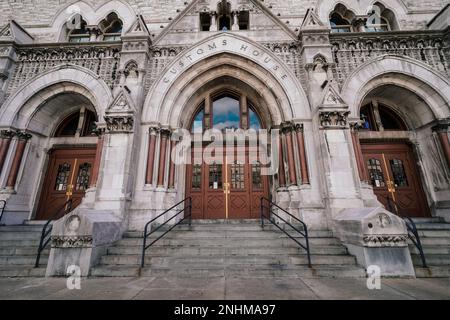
{"type": "Point", "coordinates": [197, 176]}
{"type": "Point", "coordinates": [215, 176]}
{"type": "Point", "coordinates": [226, 113]}
{"type": "Point", "coordinates": [256, 176]}
{"type": "Point", "coordinates": [254, 120]}
{"type": "Point", "coordinates": [237, 176]}
{"type": "Point", "coordinates": [84, 175]}
{"type": "Point", "coordinates": [197, 126]}
{"type": "Point", "coordinates": [62, 177]}
{"type": "Point", "coordinates": [375, 172]}
{"type": "Point", "coordinates": [398, 170]}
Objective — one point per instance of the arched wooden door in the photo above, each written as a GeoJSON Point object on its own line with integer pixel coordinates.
{"type": "Point", "coordinates": [394, 174]}
{"type": "Point", "coordinates": [68, 176]}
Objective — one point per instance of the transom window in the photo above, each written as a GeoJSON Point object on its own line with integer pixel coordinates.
{"type": "Point", "coordinates": [380, 118]}
{"type": "Point", "coordinates": [226, 112]}
{"type": "Point", "coordinates": [80, 123]}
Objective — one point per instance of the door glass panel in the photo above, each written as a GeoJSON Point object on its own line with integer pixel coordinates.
{"type": "Point", "coordinates": [398, 171]}
{"type": "Point", "coordinates": [237, 175]}
{"type": "Point", "coordinates": [256, 176]}
{"type": "Point", "coordinates": [62, 177]}
{"type": "Point", "coordinates": [84, 174]}
{"type": "Point", "coordinates": [215, 176]}
{"type": "Point", "coordinates": [197, 177]}
{"type": "Point", "coordinates": [226, 113]}
{"type": "Point", "coordinates": [376, 173]}
{"type": "Point", "coordinates": [255, 123]}
{"type": "Point", "coordinates": [197, 126]}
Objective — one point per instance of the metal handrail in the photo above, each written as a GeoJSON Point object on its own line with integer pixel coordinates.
{"type": "Point", "coordinates": [413, 234]}
{"type": "Point", "coordinates": [2, 209]}
{"type": "Point", "coordinates": [45, 239]}
{"type": "Point", "coordinates": [188, 207]}
{"type": "Point", "coordinates": [302, 233]}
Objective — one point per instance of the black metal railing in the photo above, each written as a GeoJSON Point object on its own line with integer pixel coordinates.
{"type": "Point", "coordinates": [186, 209]}
{"type": "Point", "coordinates": [2, 208]}
{"type": "Point", "coordinates": [413, 234]}
{"type": "Point", "coordinates": [48, 227]}
{"type": "Point", "coordinates": [268, 205]}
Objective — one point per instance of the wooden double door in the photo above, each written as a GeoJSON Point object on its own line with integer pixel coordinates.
{"type": "Point", "coordinates": [394, 174]}
{"type": "Point", "coordinates": [68, 176]}
{"type": "Point", "coordinates": [229, 188]}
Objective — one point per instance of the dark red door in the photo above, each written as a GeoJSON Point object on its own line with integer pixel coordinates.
{"type": "Point", "coordinates": [394, 173]}
{"type": "Point", "coordinates": [68, 176]}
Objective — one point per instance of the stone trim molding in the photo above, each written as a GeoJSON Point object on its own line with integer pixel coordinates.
{"type": "Point", "coordinates": [378, 240]}
{"type": "Point", "coordinates": [72, 241]}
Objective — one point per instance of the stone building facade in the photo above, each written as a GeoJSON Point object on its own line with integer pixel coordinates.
{"type": "Point", "coordinates": [91, 93]}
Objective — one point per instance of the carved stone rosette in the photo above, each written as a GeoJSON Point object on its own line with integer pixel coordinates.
{"type": "Point", "coordinates": [334, 119]}
{"type": "Point", "coordinates": [119, 123]}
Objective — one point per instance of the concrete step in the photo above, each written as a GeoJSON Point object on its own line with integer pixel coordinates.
{"type": "Point", "coordinates": [211, 250]}
{"type": "Point", "coordinates": [432, 259]}
{"type": "Point", "coordinates": [432, 226]}
{"type": "Point", "coordinates": [434, 233]}
{"type": "Point", "coordinates": [21, 272]}
{"type": "Point", "coordinates": [221, 260]}
{"type": "Point", "coordinates": [21, 228]}
{"type": "Point", "coordinates": [19, 243]}
{"type": "Point", "coordinates": [211, 234]}
{"type": "Point", "coordinates": [21, 260]}
{"type": "Point", "coordinates": [432, 241]}
{"type": "Point", "coordinates": [230, 227]}
{"type": "Point", "coordinates": [20, 235]}
{"type": "Point", "coordinates": [438, 249]}
{"type": "Point", "coordinates": [22, 251]}
{"type": "Point", "coordinates": [231, 242]}
{"type": "Point", "coordinates": [231, 271]}
{"type": "Point", "coordinates": [433, 272]}
{"type": "Point", "coordinates": [429, 220]}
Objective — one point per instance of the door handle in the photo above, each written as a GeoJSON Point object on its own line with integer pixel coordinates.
{"type": "Point", "coordinates": [391, 186]}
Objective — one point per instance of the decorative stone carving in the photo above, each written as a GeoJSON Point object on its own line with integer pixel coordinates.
{"type": "Point", "coordinates": [356, 125]}
{"type": "Point", "coordinates": [119, 124]}
{"type": "Point", "coordinates": [23, 135]}
{"type": "Point", "coordinates": [72, 241]}
{"type": "Point", "coordinates": [7, 134]}
{"type": "Point", "coordinates": [385, 240]}
{"type": "Point", "coordinates": [334, 119]}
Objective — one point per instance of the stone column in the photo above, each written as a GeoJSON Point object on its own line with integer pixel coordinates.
{"type": "Point", "coordinates": [281, 172]}
{"type": "Point", "coordinates": [5, 142]}
{"type": "Point", "coordinates": [173, 145]}
{"type": "Point", "coordinates": [17, 160]}
{"type": "Point", "coordinates": [162, 157]}
{"type": "Point", "coordinates": [287, 131]}
{"type": "Point", "coordinates": [98, 157]}
{"type": "Point", "coordinates": [151, 155]}
{"type": "Point", "coordinates": [442, 133]}
{"type": "Point", "coordinates": [355, 127]}
{"type": "Point", "coordinates": [213, 26]}
{"type": "Point", "coordinates": [299, 129]}
{"type": "Point", "coordinates": [235, 25]}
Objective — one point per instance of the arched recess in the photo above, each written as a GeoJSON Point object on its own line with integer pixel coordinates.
{"type": "Point", "coordinates": [93, 14]}
{"type": "Point", "coordinates": [325, 7]}
{"type": "Point", "coordinates": [19, 109]}
{"type": "Point", "coordinates": [209, 59]}
{"type": "Point", "coordinates": [430, 86]}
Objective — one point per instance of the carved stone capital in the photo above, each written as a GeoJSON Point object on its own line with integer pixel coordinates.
{"type": "Point", "coordinates": [334, 119]}
{"type": "Point", "coordinates": [99, 131]}
{"type": "Point", "coordinates": [441, 126]}
{"type": "Point", "coordinates": [165, 132]}
{"type": "Point", "coordinates": [7, 134]}
{"type": "Point", "coordinates": [356, 125]}
{"type": "Point", "coordinates": [299, 127]}
{"type": "Point", "coordinates": [154, 131]}
{"type": "Point", "coordinates": [119, 123]}
{"type": "Point", "coordinates": [287, 127]}
{"type": "Point", "coordinates": [24, 136]}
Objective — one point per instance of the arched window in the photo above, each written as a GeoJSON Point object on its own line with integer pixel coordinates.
{"type": "Point", "coordinates": [111, 27]}
{"type": "Point", "coordinates": [224, 14]}
{"type": "Point", "coordinates": [381, 26]}
{"type": "Point", "coordinates": [226, 113]}
{"type": "Point", "coordinates": [81, 122]}
{"type": "Point", "coordinates": [205, 21]}
{"type": "Point", "coordinates": [339, 24]}
{"type": "Point", "coordinates": [381, 118]}
{"type": "Point", "coordinates": [381, 19]}
{"type": "Point", "coordinates": [80, 33]}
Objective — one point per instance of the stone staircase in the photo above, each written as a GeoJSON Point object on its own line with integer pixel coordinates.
{"type": "Point", "coordinates": [228, 248]}
{"type": "Point", "coordinates": [18, 249]}
{"type": "Point", "coordinates": [435, 237]}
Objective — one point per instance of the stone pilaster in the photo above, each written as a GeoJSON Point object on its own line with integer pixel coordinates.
{"type": "Point", "coordinates": [441, 129]}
